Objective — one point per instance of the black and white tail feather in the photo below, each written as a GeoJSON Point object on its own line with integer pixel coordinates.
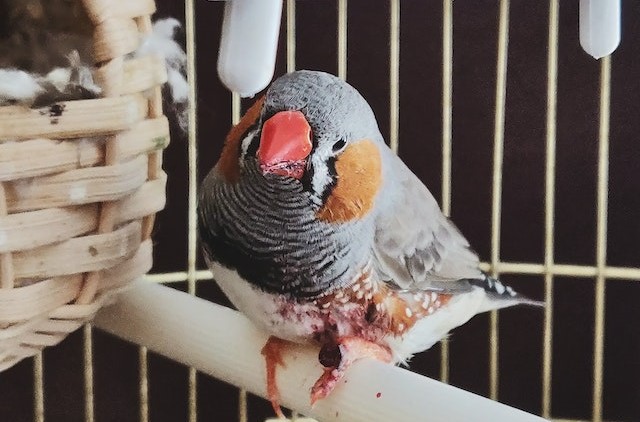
{"type": "Point", "coordinates": [501, 295]}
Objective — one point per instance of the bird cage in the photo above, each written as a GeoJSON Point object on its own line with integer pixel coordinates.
{"type": "Point", "coordinates": [526, 141]}
{"type": "Point", "coordinates": [80, 177]}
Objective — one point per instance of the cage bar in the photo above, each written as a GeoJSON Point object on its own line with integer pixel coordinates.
{"type": "Point", "coordinates": [291, 42]}
{"type": "Point", "coordinates": [496, 208]}
{"type": "Point", "coordinates": [243, 410]}
{"type": "Point", "coordinates": [291, 35]}
{"type": "Point", "coordinates": [549, 210]}
{"type": "Point", "coordinates": [155, 160]}
{"type": "Point", "coordinates": [243, 406]}
{"type": "Point", "coordinates": [621, 274]}
{"type": "Point", "coordinates": [447, 132]}
{"type": "Point", "coordinates": [193, 181]}
{"type": "Point", "coordinates": [601, 235]}
{"type": "Point", "coordinates": [447, 105]}
{"type": "Point", "coordinates": [38, 388]}
{"type": "Point", "coordinates": [88, 373]}
{"type": "Point", "coordinates": [291, 66]}
{"type": "Point", "coordinates": [342, 39]}
{"type": "Point", "coordinates": [143, 384]}
{"type": "Point", "coordinates": [394, 73]}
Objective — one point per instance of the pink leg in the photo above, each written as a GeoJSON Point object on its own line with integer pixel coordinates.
{"type": "Point", "coordinates": [338, 358]}
{"type": "Point", "coordinates": [272, 352]}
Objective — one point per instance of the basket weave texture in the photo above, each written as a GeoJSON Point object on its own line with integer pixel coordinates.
{"type": "Point", "coordinates": [80, 183]}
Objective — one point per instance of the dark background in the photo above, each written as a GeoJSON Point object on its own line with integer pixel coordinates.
{"type": "Point", "coordinates": [475, 41]}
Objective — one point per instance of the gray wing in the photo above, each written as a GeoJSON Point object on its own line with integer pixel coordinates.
{"type": "Point", "coordinates": [416, 247]}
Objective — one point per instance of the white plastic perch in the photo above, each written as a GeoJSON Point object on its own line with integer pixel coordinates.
{"type": "Point", "coordinates": [599, 26]}
{"type": "Point", "coordinates": [222, 343]}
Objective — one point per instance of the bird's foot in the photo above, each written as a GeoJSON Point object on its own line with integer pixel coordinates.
{"type": "Point", "coordinates": [272, 352]}
{"type": "Point", "coordinates": [338, 357]}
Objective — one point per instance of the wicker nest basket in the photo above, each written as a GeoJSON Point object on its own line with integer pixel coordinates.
{"type": "Point", "coordinates": [80, 182]}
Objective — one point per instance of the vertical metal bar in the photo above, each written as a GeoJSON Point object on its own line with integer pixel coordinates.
{"type": "Point", "coordinates": [235, 108]}
{"type": "Point", "coordinates": [498, 152]}
{"type": "Point", "coordinates": [447, 108]}
{"type": "Point", "coordinates": [342, 39]}
{"type": "Point", "coordinates": [192, 146]}
{"type": "Point", "coordinates": [88, 374]}
{"type": "Point", "coordinates": [235, 118]}
{"type": "Point", "coordinates": [549, 210]}
{"type": "Point", "coordinates": [447, 92]}
{"type": "Point", "coordinates": [291, 66]}
{"type": "Point", "coordinates": [291, 35]}
{"type": "Point", "coordinates": [38, 387]}
{"type": "Point", "coordinates": [155, 110]}
{"type": "Point", "coordinates": [193, 181]}
{"type": "Point", "coordinates": [601, 235]}
{"type": "Point", "coordinates": [143, 386]}
{"type": "Point", "coordinates": [243, 407]}
{"type": "Point", "coordinates": [394, 73]}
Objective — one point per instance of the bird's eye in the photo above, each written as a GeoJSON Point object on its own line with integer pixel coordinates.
{"type": "Point", "coordinates": [339, 145]}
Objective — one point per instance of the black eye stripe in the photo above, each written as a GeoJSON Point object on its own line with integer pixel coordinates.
{"type": "Point", "coordinates": [307, 177]}
{"type": "Point", "coordinates": [331, 169]}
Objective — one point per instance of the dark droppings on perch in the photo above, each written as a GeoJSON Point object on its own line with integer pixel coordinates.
{"type": "Point", "coordinates": [56, 110]}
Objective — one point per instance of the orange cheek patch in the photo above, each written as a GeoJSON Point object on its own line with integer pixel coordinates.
{"type": "Point", "coordinates": [359, 172]}
{"type": "Point", "coordinates": [228, 162]}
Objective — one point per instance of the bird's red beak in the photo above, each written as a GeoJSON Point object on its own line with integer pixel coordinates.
{"type": "Point", "coordinates": [285, 144]}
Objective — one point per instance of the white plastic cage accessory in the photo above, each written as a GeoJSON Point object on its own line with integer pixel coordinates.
{"type": "Point", "coordinates": [599, 26]}
{"type": "Point", "coordinates": [247, 53]}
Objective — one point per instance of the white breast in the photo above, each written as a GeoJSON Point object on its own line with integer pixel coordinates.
{"type": "Point", "coordinates": [269, 312]}
{"type": "Point", "coordinates": [300, 322]}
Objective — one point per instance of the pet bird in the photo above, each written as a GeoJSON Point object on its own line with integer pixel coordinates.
{"type": "Point", "coordinates": [319, 233]}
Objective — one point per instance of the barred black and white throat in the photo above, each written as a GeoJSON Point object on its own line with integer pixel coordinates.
{"type": "Point", "coordinates": [265, 225]}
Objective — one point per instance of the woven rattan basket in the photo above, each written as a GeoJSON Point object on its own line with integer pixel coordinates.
{"type": "Point", "coordinates": [80, 182]}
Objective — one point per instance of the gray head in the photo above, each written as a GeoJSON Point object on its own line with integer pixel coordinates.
{"type": "Point", "coordinates": [333, 108]}
{"type": "Point", "coordinates": [337, 116]}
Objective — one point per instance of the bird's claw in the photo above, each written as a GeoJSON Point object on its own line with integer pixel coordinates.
{"type": "Point", "coordinates": [272, 352]}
